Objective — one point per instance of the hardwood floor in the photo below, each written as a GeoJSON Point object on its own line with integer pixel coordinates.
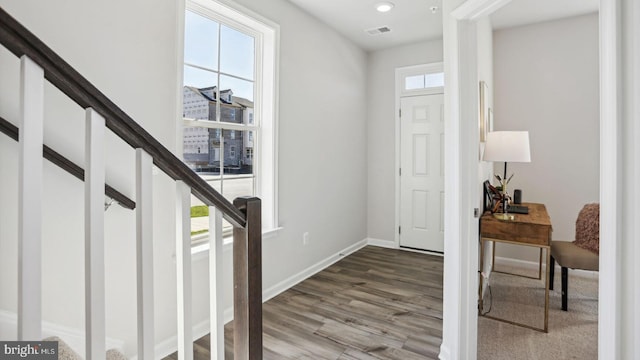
{"type": "Point", "coordinates": [374, 304]}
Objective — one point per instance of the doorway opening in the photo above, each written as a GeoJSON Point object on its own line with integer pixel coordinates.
{"type": "Point", "coordinates": [460, 273]}
{"type": "Point", "coordinates": [420, 157]}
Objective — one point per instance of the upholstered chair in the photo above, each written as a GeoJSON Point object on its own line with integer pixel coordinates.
{"type": "Point", "coordinates": [582, 253]}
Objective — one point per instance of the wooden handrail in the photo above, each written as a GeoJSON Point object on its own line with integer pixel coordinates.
{"type": "Point", "coordinates": [67, 165]}
{"type": "Point", "coordinates": [20, 41]}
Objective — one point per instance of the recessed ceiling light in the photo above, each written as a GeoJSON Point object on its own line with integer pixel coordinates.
{"type": "Point", "coordinates": [384, 6]}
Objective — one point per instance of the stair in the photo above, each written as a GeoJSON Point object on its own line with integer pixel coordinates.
{"type": "Point", "coordinates": [65, 352]}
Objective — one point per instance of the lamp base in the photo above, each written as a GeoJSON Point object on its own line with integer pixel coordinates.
{"type": "Point", "coordinates": [503, 216]}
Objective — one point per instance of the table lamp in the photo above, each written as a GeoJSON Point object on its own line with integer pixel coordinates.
{"type": "Point", "coordinates": [507, 146]}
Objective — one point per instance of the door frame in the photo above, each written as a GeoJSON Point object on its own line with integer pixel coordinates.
{"type": "Point", "coordinates": [400, 74]}
{"type": "Point", "coordinates": [460, 276]}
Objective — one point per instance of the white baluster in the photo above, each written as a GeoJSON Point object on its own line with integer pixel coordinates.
{"type": "Point", "coordinates": [216, 283]}
{"type": "Point", "coordinates": [94, 236]}
{"type": "Point", "coordinates": [183, 264]}
{"type": "Point", "coordinates": [144, 254]}
{"type": "Point", "coordinates": [30, 201]}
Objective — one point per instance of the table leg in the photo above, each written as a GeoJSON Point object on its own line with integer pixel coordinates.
{"type": "Point", "coordinates": [547, 284]}
{"type": "Point", "coordinates": [540, 266]}
{"type": "Point", "coordinates": [480, 300]}
{"type": "Point", "coordinates": [546, 290]}
{"type": "Point", "coordinates": [493, 256]}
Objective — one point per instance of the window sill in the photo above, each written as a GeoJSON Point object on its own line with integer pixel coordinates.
{"type": "Point", "coordinates": [201, 251]}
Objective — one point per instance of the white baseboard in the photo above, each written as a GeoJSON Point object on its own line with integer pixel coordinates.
{"type": "Point", "coordinates": [382, 243]}
{"type": "Point", "coordinates": [168, 346]}
{"type": "Point", "coordinates": [444, 354]}
{"type": "Point", "coordinates": [75, 338]}
{"type": "Point", "coordinates": [533, 265]}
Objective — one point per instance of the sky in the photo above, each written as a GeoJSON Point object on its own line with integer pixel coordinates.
{"type": "Point", "coordinates": [236, 53]}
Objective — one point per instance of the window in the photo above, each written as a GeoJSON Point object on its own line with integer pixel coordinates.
{"type": "Point", "coordinates": [420, 79]}
{"type": "Point", "coordinates": [228, 106]}
{"type": "Point", "coordinates": [424, 81]}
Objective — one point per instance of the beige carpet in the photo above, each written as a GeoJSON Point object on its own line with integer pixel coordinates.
{"type": "Point", "coordinates": [65, 352]}
{"type": "Point", "coordinates": [572, 334]}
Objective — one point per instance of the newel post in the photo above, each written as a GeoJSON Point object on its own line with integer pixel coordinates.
{"type": "Point", "coordinates": [247, 282]}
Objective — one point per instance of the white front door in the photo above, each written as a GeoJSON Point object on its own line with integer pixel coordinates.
{"type": "Point", "coordinates": [422, 172]}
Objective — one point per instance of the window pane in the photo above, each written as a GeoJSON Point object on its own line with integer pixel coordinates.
{"type": "Point", "coordinates": [434, 80]}
{"type": "Point", "coordinates": [200, 41]}
{"type": "Point", "coordinates": [196, 105]}
{"type": "Point", "coordinates": [199, 216]}
{"type": "Point", "coordinates": [202, 150]}
{"type": "Point", "coordinates": [195, 147]}
{"type": "Point", "coordinates": [414, 82]}
{"type": "Point", "coordinates": [199, 78]}
{"type": "Point", "coordinates": [200, 212]}
{"type": "Point", "coordinates": [230, 114]}
{"type": "Point", "coordinates": [236, 53]}
{"type": "Point", "coordinates": [238, 178]}
{"type": "Point", "coordinates": [214, 181]}
{"type": "Point", "coordinates": [235, 144]}
{"type": "Point", "coordinates": [237, 186]}
{"type": "Point", "coordinates": [240, 88]}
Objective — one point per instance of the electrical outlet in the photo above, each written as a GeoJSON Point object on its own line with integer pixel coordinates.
{"type": "Point", "coordinates": [305, 238]}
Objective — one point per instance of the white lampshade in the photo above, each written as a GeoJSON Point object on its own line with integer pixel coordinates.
{"type": "Point", "coordinates": [507, 146]}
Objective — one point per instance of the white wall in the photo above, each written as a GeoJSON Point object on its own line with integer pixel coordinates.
{"type": "Point", "coordinates": [130, 54]}
{"type": "Point", "coordinates": [484, 36]}
{"type": "Point", "coordinates": [628, 185]}
{"type": "Point", "coordinates": [322, 166]}
{"type": "Point", "coordinates": [546, 82]}
{"type": "Point", "coordinates": [381, 171]}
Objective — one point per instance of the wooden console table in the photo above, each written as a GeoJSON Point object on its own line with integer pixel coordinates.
{"type": "Point", "coordinates": [532, 229]}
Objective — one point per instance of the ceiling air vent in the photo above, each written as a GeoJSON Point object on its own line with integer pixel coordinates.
{"type": "Point", "coordinates": [378, 30]}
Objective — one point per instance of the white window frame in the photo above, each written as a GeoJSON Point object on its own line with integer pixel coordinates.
{"type": "Point", "coordinates": [267, 36]}
{"type": "Point", "coordinates": [402, 73]}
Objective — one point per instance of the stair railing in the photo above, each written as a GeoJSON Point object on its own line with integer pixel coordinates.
{"type": "Point", "coordinates": [39, 63]}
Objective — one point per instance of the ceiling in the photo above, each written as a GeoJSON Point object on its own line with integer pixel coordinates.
{"type": "Point", "coordinates": [412, 20]}
{"type": "Point", "coordinates": [524, 12]}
